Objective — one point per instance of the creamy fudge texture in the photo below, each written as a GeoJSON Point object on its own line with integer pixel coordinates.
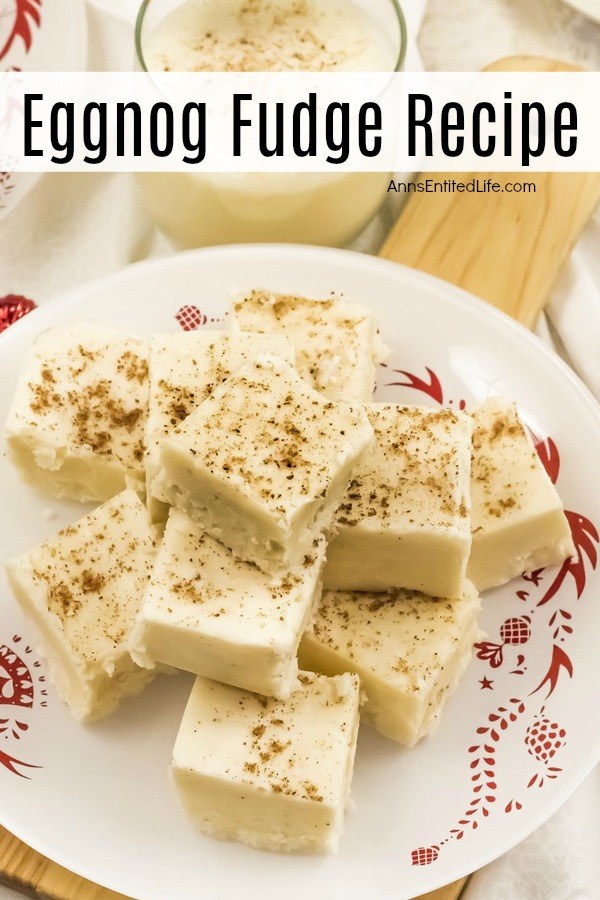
{"type": "Point", "coordinates": [337, 345]}
{"type": "Point", "coordinates": [77, 421]}
{"type": "Point", "coordinates": [184, 370]}
{"type": "Point", "coordinates": [83, 590]}
{"type": "Point", "coordinates": [404, 520]}
{"type": "Point", "coordinates": [517, 517]}
{"type": "Point", "coordinates": [409, 650]}
{"type": "Point", "coordinates": [210, 613]}
{"type": "Point", "coordinates": [263, 463]}
{"type": "Point", "coordinates": [274, 775]}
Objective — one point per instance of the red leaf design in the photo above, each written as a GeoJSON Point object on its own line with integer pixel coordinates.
{"type": "Point", "coordinates": [27, 14]}
{"type": "Point", "coordinates": [11, 763]}
{"type": "Point", "coordinates": [585, 537]}
{"type": "Point", "coordinates": [549, 456]}
{"type": "Point", "coordinates": [493, 652]}
{"type": "Point", "coordinates": [559, 661]}
{"type": "Point", "coordinates": [534, 577]}
{"type": "Point", "coordinates": [432, 388]}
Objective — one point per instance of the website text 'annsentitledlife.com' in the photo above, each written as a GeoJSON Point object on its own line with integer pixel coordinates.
{"type": "Point", "coordinates": [451, 186]}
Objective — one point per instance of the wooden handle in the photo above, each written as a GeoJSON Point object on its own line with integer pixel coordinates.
{"type": "Point", "coordinates": [507, 248]}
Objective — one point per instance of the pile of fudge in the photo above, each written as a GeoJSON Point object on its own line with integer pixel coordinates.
{"type": "Point", "coordinates": [313, 557]}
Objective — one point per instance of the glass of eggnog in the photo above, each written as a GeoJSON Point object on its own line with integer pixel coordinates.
{"type": "Point", "coordinates": [201, 209]}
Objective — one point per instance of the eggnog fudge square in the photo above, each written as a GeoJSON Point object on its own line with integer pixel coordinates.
{"type": "Point", "coordinates": [83, 590]}
{"type": "Point", "coordinates": [212, 614]}
{"type": "Point", "coordinates": [263, 463]}
{"type": "Point", "coordinates": [275, 775]}
{"type": "Point", "coordinates": [77, 420]}
{"type": "Point", "coordinates": [337, 345]}
{"type": "Point", "coordinates": [517, 517]}
{"type": "Point", "coordinates": [404, 520]}
{"type": "Point", "coordinates": [184, 370]}
{"type": "Point", "coordinates": [410, 651]}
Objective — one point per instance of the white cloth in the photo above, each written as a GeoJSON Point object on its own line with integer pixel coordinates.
{"type": "Point", "coordinates": [72, 228]}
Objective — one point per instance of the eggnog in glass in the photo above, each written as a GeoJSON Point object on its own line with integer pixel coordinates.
{"type": "Point", "coordinates": [200, 209]}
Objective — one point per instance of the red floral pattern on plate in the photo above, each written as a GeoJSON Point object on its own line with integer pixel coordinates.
{"type": "Point", "coordinates": [542, 738]}
{"type": "Point", "coordinates": [191, 317]}
{"type": "Point", "coordinates": [18, 690]}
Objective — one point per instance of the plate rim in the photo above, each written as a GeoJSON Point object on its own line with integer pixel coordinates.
{"type": "Point", "coordinates": [461, 299]}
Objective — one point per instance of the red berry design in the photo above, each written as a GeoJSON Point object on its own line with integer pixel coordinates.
{"type": "Point", "coordinates": [544, 738]}
{"type": "Point", "coordinates": [190, 318]}
{"type": "Point", "coordinates": [516, 630]}
{"type": "Point", "coordinates": [424, 856]}
{"type": "Point", "coordinates": [16, 683]}
{"type": "Point", "coordinates": [12, 308]}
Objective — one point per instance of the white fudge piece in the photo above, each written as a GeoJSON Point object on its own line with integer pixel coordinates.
{"type": "Point", "coordinates": [184, 370]}
{"type": "Point", "coordinates": [409, 650]}
{"type": "Point", "coordinates": [83, 590]}
{"type": "Point", "coordinates": [337, 345]}
{"type": "Point", "coordinates": [272, 774]}
{"type": "Point", "coordinates": [77, 420]}
{"type": "Point", "coordinates": [517, 517]}
{"type": "Point", "coordinates": [210, 613]}
{"type": "Point", "coordinates": [404, 521]}
{"type": "Point", "coordinates": [263, 463]}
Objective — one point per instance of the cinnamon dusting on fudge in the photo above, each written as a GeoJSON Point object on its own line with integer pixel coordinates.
{"type": "Point", "coordinates": [493, 444]}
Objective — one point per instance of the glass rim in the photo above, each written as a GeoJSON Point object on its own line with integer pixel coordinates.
{"type": "Point", "coordinates": [395, 4]}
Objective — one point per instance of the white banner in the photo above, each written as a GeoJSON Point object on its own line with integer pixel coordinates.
{"type": "Point", "coordinates": [300, 122]}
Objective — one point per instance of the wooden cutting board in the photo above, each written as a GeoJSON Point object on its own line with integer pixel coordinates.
{"type": "Point", "coordinates": [506, 248]}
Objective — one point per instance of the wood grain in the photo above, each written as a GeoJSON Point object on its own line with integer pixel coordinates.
{"type": "Point", "coordinates": [22, 868]}
{"type": "Point", "coordinates": [507, 248]}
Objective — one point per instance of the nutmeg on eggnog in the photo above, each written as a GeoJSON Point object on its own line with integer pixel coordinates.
{"type": "Point", "coordinates": [268, 35]}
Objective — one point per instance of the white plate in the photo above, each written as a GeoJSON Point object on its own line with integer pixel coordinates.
{"type": "Point", "coordinates": [101, 804]}
{"type": "Point", "coordinates": [38, 36]}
